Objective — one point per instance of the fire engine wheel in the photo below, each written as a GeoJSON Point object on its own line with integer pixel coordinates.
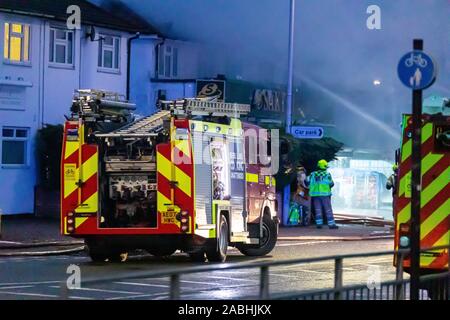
{"type": "Point", "coordinates": [162, 252]}
{"type": "Point", "coordinates": [95, 252]}
{"type": "Point", "coordinates": [99, 253]}
{"type": "Point", "coordinates": [98, 257]}
{"type": "Point", "coordinates": [267, 242]}
{"type": "Point", "coordinates": [218, 251]}
{"type": "Point", "coordinates": [197, 256]}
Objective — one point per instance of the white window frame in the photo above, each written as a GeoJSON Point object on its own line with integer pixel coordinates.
{"type": "Point", "coordinates": [26, 139]}
{"type": "Point", "coordinates": [62, 42]}
{"type": "Point", "coordinates": [168, 55]}
{"type": "Point", "coordinates": [102, 47]}
{"type": "Point", "coordinates": [17, 35]}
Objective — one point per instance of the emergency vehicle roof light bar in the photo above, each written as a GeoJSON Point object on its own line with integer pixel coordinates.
{"type": "Point", "coordinates": [203, 107]}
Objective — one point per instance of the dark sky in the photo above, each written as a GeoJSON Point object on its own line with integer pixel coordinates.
{"type": "Point", "coordinates": [336, 56]}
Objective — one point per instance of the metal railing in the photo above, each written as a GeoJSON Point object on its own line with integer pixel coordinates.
{"type": "Point", "coordinates": [395, 290]}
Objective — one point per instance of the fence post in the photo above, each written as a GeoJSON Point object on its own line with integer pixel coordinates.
{"type": "Point", "coordinates": [264, 283]}
{"type": "Point", "coordinates": [175, 287]}
{"type": "Point", "coordinates": [399, 277]}
{"type": "Point", "coordinates": [338, 278]}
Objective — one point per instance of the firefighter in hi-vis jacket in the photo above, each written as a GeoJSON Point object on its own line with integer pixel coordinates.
{"type": "Point", "coordinates": [320, 184]}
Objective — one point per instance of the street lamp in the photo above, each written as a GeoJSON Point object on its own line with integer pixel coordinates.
{"type": "Point", "coordinates": [287, 188]}
{"type": "Point", "coordinates": [377, 82]}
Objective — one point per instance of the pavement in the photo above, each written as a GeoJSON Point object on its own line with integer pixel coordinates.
{"type": "Point", "coordinates": [346, 232]}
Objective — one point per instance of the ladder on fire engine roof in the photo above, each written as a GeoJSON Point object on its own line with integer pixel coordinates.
{"type": "Point", "coordinates": [151, 125]}
{"type": "Point", "coordinates": [144, 127]}
{"type": "Point", "coordinates": [205, 107]}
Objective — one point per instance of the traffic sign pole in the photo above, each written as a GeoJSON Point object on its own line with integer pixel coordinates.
{"type": "Point", "coordinates": [416, 185]}
{"type": "Point", "coordinates": [417, 71]}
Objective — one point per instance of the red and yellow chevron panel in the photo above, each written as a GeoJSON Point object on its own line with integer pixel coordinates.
{"type": "Point", "coordinates": [79, 176]}
{"type": "Point", "coordinates": [175, 172]}
{"type": "Point", "coordinates": [435, 202]}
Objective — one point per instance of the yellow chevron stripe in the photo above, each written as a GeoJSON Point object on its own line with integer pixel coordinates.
{"type": "Point", "coordinates": [90, 205]}
{"type": "Point", "coordinates": [404, 215]}
{"type": "Point", "coordinates": [404, 187]}
{"type": "Point", "coordinates": [88, 169]}
{"type": "Point", "coordinates": [427, 195]}
{"type": "Point", "coordinates": [406, 150]}
{"type": "Point", "coordinates": [184, 181]}
{"type": "Point", "coordinates": [435, 186]}
{"type": "Point", "coordinates": [164, 166]}
{"type": "Point", "coordinates": [433, 220]}
{"type": "Point", "coordinates": [427, 163]}
{"type": "Point", "coordinates": [79, 221]}
{"type": "Point", "coordinates": [182, 145]}
{"type": "Point", "coordinates": [71, 148]}
{"type": "Point", "coordinates": [443, 241]}
{"type": "Point", "coordinates": [427, 132]}
{"type": "Point", "coordinates": [162, 202]}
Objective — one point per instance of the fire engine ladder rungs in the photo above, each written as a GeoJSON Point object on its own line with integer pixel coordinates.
{"type": "Point", "coordinates": [201, 107]}
{"type": "Point", "coordinates": [145, 127]}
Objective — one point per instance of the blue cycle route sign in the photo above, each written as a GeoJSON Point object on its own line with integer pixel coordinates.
{"type": "Point", "coordinates": [416, 70]}
{"type": "Point", "coordinates": [307, 132]}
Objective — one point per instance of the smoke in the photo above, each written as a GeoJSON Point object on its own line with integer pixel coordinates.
{"type": "Point", "coordinates": [248, 39]}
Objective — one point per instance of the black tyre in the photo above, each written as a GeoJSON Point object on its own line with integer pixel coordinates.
{"type": "Point", "coordinates": [197, 256]}
{"type": "Point", "coordinates": [96, 253]}
{"type": "Point", "coordinates": [218, 251]}
{"type": "Point", "coordinates": [98, 257]}
{"type": "Point", "coordinates": [267, 242]}
{"type": "Point", "coordinates": [162, 252]}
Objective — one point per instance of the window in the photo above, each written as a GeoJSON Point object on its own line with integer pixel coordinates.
{"type": "Point", "coordinates": [168, 61]}
{"type": "Point", "coordinates": [108, 53]}
{"type": "Point", "coordinates": [14, 146]}
{"type": "Point", "coordinates": [16, 42]}
{"type": "Point", "coordinates": [61, 46]}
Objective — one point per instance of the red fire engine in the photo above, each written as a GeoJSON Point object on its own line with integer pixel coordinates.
{"type": "Point", "coordinates": [184, 178]}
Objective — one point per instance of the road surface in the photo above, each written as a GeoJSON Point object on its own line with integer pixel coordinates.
{"type": "Point", "coordinates": [40, 277]}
